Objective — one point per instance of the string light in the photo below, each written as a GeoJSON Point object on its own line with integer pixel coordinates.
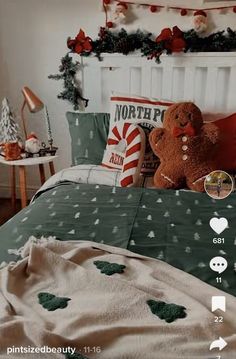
{"type": "Point", "coordinates": [183, 12]}
{"type": "Point", "coordinates": [153, 8]}
{"type": "Point", "coordinates": [109, 24]}
{"type": "Point", "coordinates": [181, 9]}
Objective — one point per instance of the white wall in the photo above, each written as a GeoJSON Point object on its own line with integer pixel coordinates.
{"type": "Point", "coordinates": [33, 37]}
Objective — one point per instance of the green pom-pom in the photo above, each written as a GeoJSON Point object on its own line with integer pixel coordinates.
{"type": "Point", "coordinates": [109, 268]}
{"type": "Point", "coordinates": [167, 312]}
{"type": "Point", "coordinates": [51, 302]}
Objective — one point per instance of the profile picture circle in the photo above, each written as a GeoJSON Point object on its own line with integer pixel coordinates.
{"type": "Point", "coordinates": [219, 184]}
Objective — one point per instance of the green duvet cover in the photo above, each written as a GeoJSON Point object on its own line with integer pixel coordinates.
{"type": "Point", "coordinates": [169, 225]}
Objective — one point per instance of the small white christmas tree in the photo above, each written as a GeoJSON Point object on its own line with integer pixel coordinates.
{"type": "Point", "coordinates": [8, 127]}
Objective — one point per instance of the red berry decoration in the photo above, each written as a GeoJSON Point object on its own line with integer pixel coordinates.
{"type": "Point", "coordinates": [183, 12]}
{"type": "Point", "coordinates": [110, 24]}
{"type": "Point", "coordinates": [106, 2]}
{"type": "Point", "coordinates": [153, 8]}
{"type": "Point", "coordinates": [234, 9]}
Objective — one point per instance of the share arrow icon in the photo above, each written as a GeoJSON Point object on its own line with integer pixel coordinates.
{"type": "Point", "coordinates": [218, 344]}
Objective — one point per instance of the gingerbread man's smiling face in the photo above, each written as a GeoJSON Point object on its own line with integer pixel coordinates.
{"type": "Point", "coordinates": [184, 118]}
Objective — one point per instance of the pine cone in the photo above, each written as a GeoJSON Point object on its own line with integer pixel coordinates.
{"type": "Point", "coordinates": [122, 46]}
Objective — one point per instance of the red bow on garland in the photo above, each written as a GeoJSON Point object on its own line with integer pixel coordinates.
{"type": "Point", "coordinates": [173, 39]}
{"type": "Point", "coordinates": [81, 43]}
{"type": "Point", "coordinates": [187, 130]}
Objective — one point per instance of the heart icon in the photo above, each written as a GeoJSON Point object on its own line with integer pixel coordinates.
{"type": "Point", "coordinates": [218, 224]}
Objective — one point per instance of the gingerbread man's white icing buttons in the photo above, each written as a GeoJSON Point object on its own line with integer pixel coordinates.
{"type": "Point", "coordinates": [185, 157]}
{"type": "Point", "coordinates": [184, 138]}
{"type": "Point", "coordinates": [184, 148]}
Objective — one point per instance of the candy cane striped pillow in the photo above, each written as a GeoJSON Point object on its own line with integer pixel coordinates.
{"type": "Point", "coordinates": [125, 152]}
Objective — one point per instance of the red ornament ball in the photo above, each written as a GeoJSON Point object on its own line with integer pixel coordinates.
{"type": "Point", "coordinates": [110, 24]}
{"type": "Point", "coordinates": [153, 8]}
{"type": "Point", "coordinates": [183, 12]}
{"type": "Point", "coordinates": [106, 2]}
{"type": "Point", "coordinates": [234, 9]}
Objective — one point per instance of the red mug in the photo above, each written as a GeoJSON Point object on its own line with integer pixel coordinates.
{"type": "Point", "coordinates": [12, 151]}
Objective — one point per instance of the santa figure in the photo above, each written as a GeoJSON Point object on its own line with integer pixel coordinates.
{"type": "Point", "coordinates": [120, 12]}
{"type": "Point", "coordinates": [200, 21]}
{"type": "Point", "coordinates": [32, 144]}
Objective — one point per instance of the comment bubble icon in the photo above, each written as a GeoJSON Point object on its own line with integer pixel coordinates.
{"type": "Point", "coordinates": [218, 264]}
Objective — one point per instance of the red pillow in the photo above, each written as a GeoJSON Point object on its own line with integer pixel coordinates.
{"type": "Point", "coordinates": [226, 154]}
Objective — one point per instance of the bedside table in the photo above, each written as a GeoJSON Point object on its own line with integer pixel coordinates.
{"type": "Point", "coordinates": [22, 164]}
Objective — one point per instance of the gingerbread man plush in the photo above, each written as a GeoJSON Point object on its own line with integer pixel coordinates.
{"type": "Point", "coordinates": [185, 147]}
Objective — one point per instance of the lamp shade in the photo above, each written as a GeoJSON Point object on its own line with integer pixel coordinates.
{"type": "Point", "coordinates": [33, 102]}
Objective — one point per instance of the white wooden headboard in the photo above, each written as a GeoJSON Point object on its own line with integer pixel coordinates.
{"type": "Point", "coordinates": [208, 79]}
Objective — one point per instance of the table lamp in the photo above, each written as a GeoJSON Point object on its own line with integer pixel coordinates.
{"type": "Point", "coordinates": [33, 103]}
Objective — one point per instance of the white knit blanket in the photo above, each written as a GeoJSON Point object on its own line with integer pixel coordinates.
{"type": "Point", "coordinates": [106, 316]}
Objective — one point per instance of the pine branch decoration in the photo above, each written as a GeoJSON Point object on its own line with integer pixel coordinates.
{"type": "Point", "coordinates": [150, 46]}
{"type": "Point", "coordinates": [119, 42]}
{"type": "Point", "coordinates": [71, 91]}
{"type": "Point", "coordinates": [221, 41]}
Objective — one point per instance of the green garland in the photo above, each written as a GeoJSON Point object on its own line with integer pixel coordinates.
{"type": "Point", "coordinates": [124, 43]}
{"type": "Point", "coordinates": [71, 91]}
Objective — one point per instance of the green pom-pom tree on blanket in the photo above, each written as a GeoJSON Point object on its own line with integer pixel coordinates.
{"type": "Point", "coordinates": [109, 268]}
{"type": "Point", "coordinates": [75, 356]}
{"type": "Point", "coordinates": [51, 302]}
{"type": "Point", "coordinates": [167, 312]}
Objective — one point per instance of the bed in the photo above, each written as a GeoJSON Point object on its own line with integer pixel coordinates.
{"type": "Point", "coordinates": [123, 272]}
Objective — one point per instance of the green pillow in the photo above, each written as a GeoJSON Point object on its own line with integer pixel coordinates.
{"type": "Point", "coordinates": [89, 132]}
